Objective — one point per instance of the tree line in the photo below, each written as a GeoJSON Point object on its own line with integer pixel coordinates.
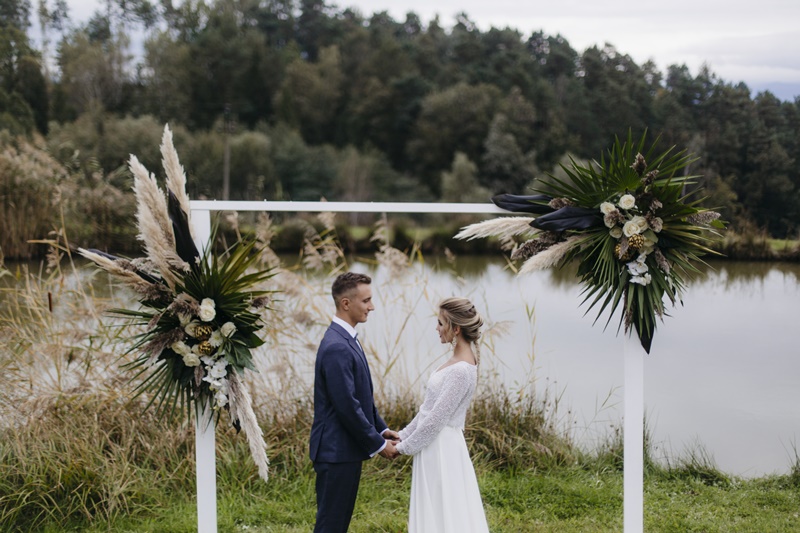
{"type": "Point", "coordinates": [313, 100]}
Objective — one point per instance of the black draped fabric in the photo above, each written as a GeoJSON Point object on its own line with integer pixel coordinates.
{"type": "Point", "coordinates": [184, 244]}
{"type": "Point", "coordinates": [536, 204]}
{"type": "Point", "coordinates": [569, 218]}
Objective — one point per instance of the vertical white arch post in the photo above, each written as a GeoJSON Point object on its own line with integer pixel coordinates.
{"type": "Point", "coordinates": [633, 435]}
{"type": "Point", "coordinates": [205, 452]}
{"type": "Point", "coordinates": [633, 385]}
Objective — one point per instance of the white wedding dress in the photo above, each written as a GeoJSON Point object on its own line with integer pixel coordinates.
{"type": "Point", "coordinates": [444, 490]}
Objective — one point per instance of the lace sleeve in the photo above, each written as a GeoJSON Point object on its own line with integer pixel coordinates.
{"type": "Point", "coordinates": [409, 429]}
{"type": "Point", "coordinates": [455, 387]}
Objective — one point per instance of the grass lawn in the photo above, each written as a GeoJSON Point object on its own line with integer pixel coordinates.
{"type": "Point", "coordinates": [568, 499]}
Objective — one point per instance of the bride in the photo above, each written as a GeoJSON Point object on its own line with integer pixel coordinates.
{"type": "Point", "coordinates": [444, 490]}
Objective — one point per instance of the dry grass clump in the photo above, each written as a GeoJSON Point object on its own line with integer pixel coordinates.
{"type": "Point", "coordinates": [28, 177]}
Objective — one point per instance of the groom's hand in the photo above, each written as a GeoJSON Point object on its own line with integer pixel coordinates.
{"type": "Point", "coordinates": [389, 434]}
{"type": "Point", "coordinates": [389, 452]}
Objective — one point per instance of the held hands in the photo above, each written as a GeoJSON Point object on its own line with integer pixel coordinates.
{"type": "Point", "coordinates": [390, 452]}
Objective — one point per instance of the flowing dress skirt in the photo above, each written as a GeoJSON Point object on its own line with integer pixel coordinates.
{"type": "Point", "coordinates": [444, 490]}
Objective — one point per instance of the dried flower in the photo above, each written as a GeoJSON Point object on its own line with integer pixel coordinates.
{"type": "Point", "coordinates": [529, 249]}
{"type": "Point", "coordinates": [549, 257]}
{"type": "Point", "coordinates": [558, 203]}
{"type": "Point", "coordinates": [639, 164]}
{"type": "Point", "coordinates": [655, 223]}
{"type": "Point", "coordinates": [661, 261]}
{"type": "Point", "coordinates": [703, 218]}
{"type": "Point", "coordinates": [260, 302]}
{"type": "Point", "coordinates": [649, 178]}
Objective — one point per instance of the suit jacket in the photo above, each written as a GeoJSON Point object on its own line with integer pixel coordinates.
{"type": "Point", "coordinates": [346, 427]}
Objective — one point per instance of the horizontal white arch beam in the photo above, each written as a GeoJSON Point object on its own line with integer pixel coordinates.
{"type": "Point", "coordinates": [346, 207]}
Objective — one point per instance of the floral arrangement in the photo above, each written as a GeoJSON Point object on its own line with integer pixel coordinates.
{"type": "Point", "coordinates": [199, 313]}
{"type": "Point", "coordinates": [626, 220]}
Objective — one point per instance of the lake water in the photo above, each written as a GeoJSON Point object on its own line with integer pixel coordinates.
{"type": "Point", "coordinates": [722, 379]}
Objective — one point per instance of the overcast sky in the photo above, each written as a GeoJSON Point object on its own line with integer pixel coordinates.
{"type": "Point", "coordinates": [755, 42]}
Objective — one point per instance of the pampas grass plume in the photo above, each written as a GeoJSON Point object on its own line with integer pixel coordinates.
{"type": "Point", "coordinates": [503, 227]}
{"type": "Point", "coordinates": [242, 408]}
{"type": "Point", "coordinates": [155, 227]}
{"type": "Point", "coordinates": [176, 176]}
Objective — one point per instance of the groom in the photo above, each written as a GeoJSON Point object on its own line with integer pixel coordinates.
{"type": "Point", "coordinates": [347, 428]}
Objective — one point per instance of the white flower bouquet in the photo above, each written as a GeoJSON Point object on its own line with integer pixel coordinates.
{"type": "Point", "coordinates": [627, 221]}
{"type": "Point", "coordinates": [199, 312]}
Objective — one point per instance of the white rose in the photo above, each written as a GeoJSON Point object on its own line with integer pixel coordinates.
{"type": "Point", "coordinates": [607, 208]}
{"type": "Point", "coordinates": [191, 327]}
{"type": "Point", "coordinates": [616, 232]}
{"type": "Point", "coordinates": [181, 348]}
{"type": "Point", "coordinates": [207, 310]}
{"type": "Point", "coordinates": [191, 359]}
{"type": "Point", "coordinates": [228, 329]}
{"type": "Point", "coordinates": [184, 318]}
{"type": "Point", "coordinates": [627, 201]}
{"type": "Point", "coordinates": [630, 228]}
{"type": "Point", "coordinates": [641, 222]}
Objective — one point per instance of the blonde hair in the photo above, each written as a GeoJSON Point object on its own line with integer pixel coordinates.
{"type": "Point", "coordinates": [462, 313]}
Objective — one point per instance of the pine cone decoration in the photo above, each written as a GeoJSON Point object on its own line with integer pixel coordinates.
{"type": "Point", "coordinates": [205, 348]}
{"type": "Point", "coordinates": [623, 257]}
{"type": "Point", "coordinates": [203, 331]}
{"type": "Point", "coordinates": [636, 242]}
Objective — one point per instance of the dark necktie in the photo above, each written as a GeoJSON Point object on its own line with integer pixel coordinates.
{"type": "Point", "coordinates": [359, 346]}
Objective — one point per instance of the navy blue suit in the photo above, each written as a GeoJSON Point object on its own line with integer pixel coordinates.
{"type": "Point", "coordinates": [346, 428]}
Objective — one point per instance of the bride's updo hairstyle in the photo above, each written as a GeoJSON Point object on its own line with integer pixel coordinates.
{"type": "Point", "coordinates": [462, 313]}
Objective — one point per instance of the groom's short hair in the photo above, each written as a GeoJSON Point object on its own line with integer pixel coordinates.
{"type": "Point", "coordinates": [346, 283]}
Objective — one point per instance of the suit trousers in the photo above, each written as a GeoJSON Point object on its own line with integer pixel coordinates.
{"type": "Point", "coordinates": [337, 487]}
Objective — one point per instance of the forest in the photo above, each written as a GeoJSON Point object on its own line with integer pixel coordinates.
{"type": "Point", "coordinates": [301, 99]}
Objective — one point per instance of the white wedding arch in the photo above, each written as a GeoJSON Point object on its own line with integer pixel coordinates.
{"type": "Point", "coordinates": [633, 354]}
